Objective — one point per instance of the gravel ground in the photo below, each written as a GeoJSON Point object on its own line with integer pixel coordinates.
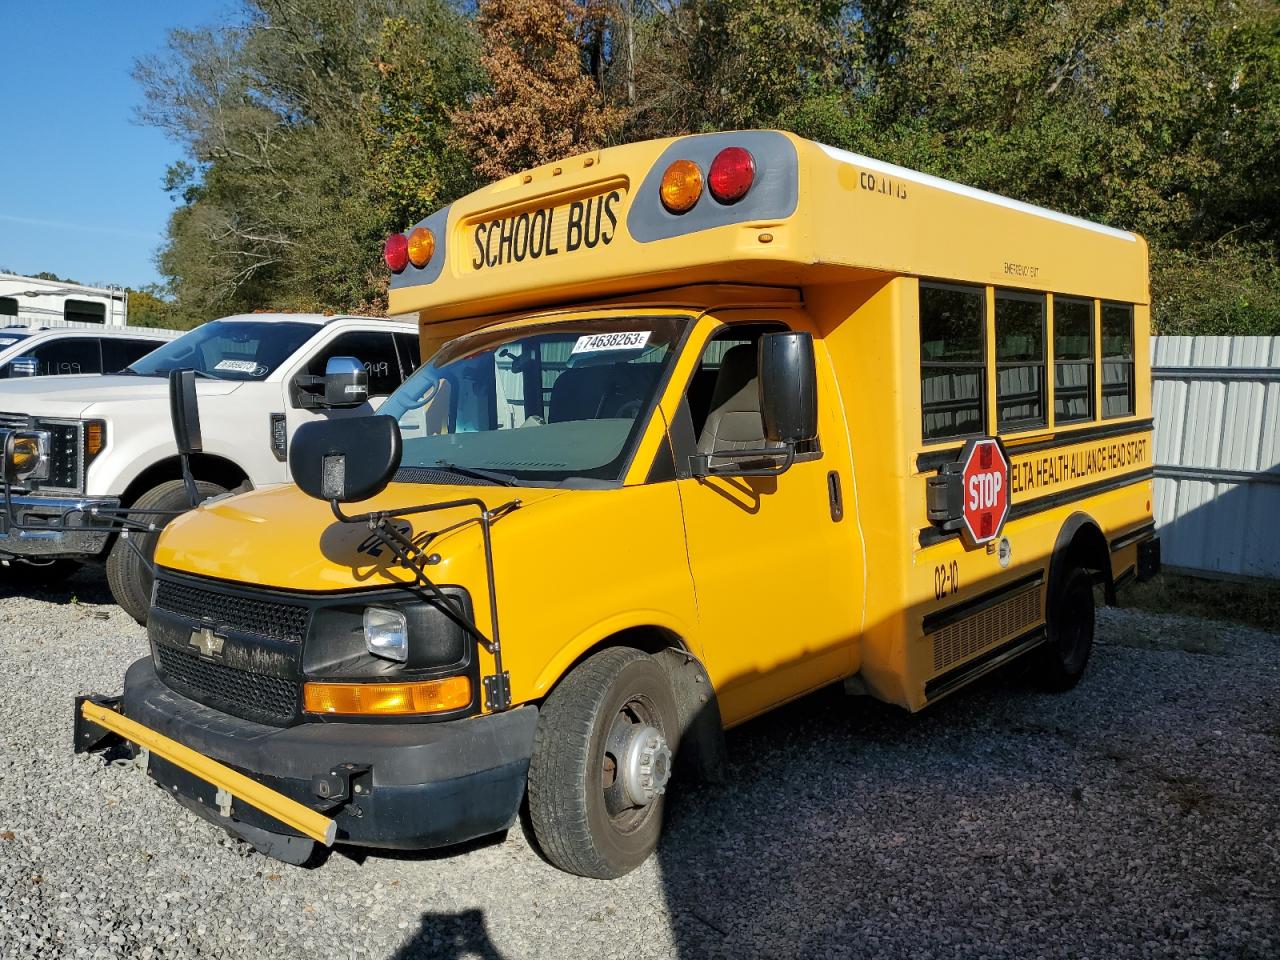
{"type": "Point", "coordinates": [1137, 816]}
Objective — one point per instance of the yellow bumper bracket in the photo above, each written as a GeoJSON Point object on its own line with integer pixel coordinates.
{"type": "Point", "coordinates": [288, 811]}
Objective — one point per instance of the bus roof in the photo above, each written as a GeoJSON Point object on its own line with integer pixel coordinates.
{"type": "Point", "coordinates": [595, 226]}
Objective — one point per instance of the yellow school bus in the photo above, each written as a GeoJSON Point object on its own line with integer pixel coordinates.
{"type": "Point", "coordinates": [710, 422]}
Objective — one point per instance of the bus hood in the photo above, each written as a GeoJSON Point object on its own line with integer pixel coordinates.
{"type": "Point", "coordinates": [78, 396]}
{"type": "Point", "coordinates": [279, 537]}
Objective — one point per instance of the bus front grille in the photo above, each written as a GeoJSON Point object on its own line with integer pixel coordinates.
{"type": "Point", "coordinates": [228, 607]}
{"type": "Point", "coordinates": [254, 695]}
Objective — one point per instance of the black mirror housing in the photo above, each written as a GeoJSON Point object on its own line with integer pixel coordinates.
{"type": "Point", "coordinates": [346, 460]}
{"type": "Point", "coordinates": [346, 382]}
{"type": "Point", "coordinates": [788, 387]}
{"type": "Point", "coordinates": [185, 412]}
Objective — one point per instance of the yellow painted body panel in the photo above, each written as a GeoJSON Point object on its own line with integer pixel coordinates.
{"type": "Point", "coordinates": [752, 575]}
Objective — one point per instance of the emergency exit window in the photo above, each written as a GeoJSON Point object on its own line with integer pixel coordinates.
{"type": "Point", "coordinates": [1072, 359]}
{"type": "Point", "coordinates": [1020, 359]}
{"type": "Point", "coordinates": [952, 360]}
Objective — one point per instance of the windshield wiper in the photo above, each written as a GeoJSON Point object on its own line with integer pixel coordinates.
{"type": "Point", "coordinates": [476, 473]}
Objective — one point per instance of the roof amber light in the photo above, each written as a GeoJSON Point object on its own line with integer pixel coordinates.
{"type": "Point", "coordinates": [681, 186]}
{"type": "Point", "coordinates": [732, 173]}
{"type": "Point", "coordinates": [422, 244]}
{"type": "Point", "coordinates": [387, 699]}
{"type": "Point", "coordinates": [396, 252]}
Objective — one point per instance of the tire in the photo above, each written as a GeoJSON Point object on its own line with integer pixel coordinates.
{"type": "Point", "coordinates": [128, 577]}
{"type": "Point", "coordinates": [1063, 658]}
{"type": "Point", "coordinates": [51, 573]}
{"type": "Point", "coordinates": [583, 818]}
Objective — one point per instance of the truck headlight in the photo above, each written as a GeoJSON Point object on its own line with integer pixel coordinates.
{"type": "Point", "coordinates": [386, 633]}
{"type": "Point", "coordinates": [26, 456]}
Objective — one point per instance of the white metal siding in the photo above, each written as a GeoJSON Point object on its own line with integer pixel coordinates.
{"type": "Point", "coordinates": [1216, 402]}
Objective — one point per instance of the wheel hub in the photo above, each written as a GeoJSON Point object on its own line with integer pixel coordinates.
{"type": "Point", "coordinates": [645, 764]}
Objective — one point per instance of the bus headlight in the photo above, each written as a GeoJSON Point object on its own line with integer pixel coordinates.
{"type": "Point", "coordinates": [26, 456]}
{"type": "Point", "coordinates": [386, 633]}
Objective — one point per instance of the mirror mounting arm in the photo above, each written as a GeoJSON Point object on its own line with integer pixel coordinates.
{"type": "Point", "coordinates": [700, 464]}
{"type": "Point", "coordinates": [497, 687]}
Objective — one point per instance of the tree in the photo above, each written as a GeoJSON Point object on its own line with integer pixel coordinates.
{"type": "Point", "coordinates": [541, 105]}
{"type": "Point", "coordinates": [148, 309]}
{"type": "Point", "coordinates": [285, 190]}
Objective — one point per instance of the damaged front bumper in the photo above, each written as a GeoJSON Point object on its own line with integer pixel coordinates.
{"type": "Point", "coordinates": [284, 789]}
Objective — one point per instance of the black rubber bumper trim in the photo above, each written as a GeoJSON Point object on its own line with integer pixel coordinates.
{"type": "Point", "coordinates": [431, 784]}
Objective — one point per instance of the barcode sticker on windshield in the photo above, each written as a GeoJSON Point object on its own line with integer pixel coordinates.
{"type": "Point", "coordinates": [237, 366]}
{"type": "Point", "coordinates": [7, 341]}
{"type": "Point", "coordinates": [632, 340]}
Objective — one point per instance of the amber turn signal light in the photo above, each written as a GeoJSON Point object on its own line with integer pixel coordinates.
{"type": "Point", "coordinates": [387, 699]}
{"type": "Point", "coordinates": [681, 186]}
{"type": "Point", "coordinates": [95, 438]}
{"type": "Point", "coordinates": [422, 244]}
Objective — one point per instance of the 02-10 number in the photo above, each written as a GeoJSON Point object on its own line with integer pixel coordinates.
{"type": "Point", "coordinates": [946, 579]}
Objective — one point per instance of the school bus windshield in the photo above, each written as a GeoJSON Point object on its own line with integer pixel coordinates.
{"type": "Point", "coordinates": [552, 402]}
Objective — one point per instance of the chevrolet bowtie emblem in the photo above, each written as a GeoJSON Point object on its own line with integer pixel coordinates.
{"type": "Point", "coordinates": [206, 641]}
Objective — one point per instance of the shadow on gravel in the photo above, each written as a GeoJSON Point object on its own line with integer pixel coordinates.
{"type": "Point", "coordinates": [358, 855]}
{"type": "Point", "coordinates": [83, 584]}
{"type": "Point", "coordinates": [450, 936]}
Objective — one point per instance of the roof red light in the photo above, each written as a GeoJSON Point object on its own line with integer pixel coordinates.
{"type": "Point", "coordinates": [396, 252]}
{"type": "Point", "coordinates": [732, 173]}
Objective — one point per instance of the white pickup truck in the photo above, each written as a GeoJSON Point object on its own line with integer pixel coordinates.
{"type": "Point", "coordinates": [108, 439]}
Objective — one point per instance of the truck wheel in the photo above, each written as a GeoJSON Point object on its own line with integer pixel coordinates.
{"type": "Point", "coordinates": [1063, 657]}
{"type": "Point", "coordinates": [601, 761]}
{"type": "Point", "coordinates": [38, 574]}
{"type": "Point", "coordinates": [127, 575]}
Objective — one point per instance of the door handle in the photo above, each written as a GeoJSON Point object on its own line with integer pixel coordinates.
{"type": "Point", "coordinates": [835, 497]}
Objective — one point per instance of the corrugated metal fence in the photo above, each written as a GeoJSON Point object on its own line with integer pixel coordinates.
{"type": "Point", "coordinates": [1216, 404]}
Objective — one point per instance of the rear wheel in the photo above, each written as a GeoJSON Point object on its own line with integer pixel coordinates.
{"type": "Point", "coordinates": [601, 762]}
{"type": "Point", "coordinates": [127, 575]}
{"type": "Point", "coordinates": [1063, 658]}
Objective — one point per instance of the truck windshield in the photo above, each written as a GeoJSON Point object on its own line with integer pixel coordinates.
{"type": "Point", "coordinates": [228, 349]}
{"type": "Point", "coordinates": [544, 403]}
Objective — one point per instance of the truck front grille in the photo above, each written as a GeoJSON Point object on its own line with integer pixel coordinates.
{"type": "Point", "coordinates": [271, 699]}
{"type": "Point", "coordinates": [274, 619]}
{"type": "Point", "coordinates": [14, 421]}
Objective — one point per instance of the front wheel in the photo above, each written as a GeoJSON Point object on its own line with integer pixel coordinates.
{"type": "Point", "coordinates": [1064, 656]}
{"type": "Point", "coordinates": [127, 575]}
{"type": "Point", "coordinates": [601, 762]}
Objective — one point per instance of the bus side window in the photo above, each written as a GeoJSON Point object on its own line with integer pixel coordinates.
{"type": "Point", "coordinates": [1072, 359]}
{"type": "Point", "coordinates": [1019, 360]}
{"type": "Point", "coordinates": [953, 369]}
{"type": "Point", "coordinates": [1117, 360]}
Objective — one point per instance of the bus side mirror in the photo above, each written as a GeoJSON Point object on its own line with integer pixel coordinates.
{"type": "Point", "coordinates": [346, 460]}
{"type": "Point", "coordinates": [185, 412]}
{"type": "Point", "coordinates": [346, 382]}
{"type": "Point", "coordinates": [788, 388]}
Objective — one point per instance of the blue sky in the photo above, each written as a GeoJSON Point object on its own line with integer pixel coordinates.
{"type": "Point", "coordinates": [80, 180]}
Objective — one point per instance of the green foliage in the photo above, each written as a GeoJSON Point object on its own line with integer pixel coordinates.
{"type": "Point", "coordinates": [148, 309]}
{"type": "Point", "coordinates": [297, 143]}
{"type": "Point", "coordinates": [314, 127]}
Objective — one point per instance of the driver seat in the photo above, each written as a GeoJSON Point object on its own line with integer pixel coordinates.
{"type": "Point", "coordinates": [734, 422]}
